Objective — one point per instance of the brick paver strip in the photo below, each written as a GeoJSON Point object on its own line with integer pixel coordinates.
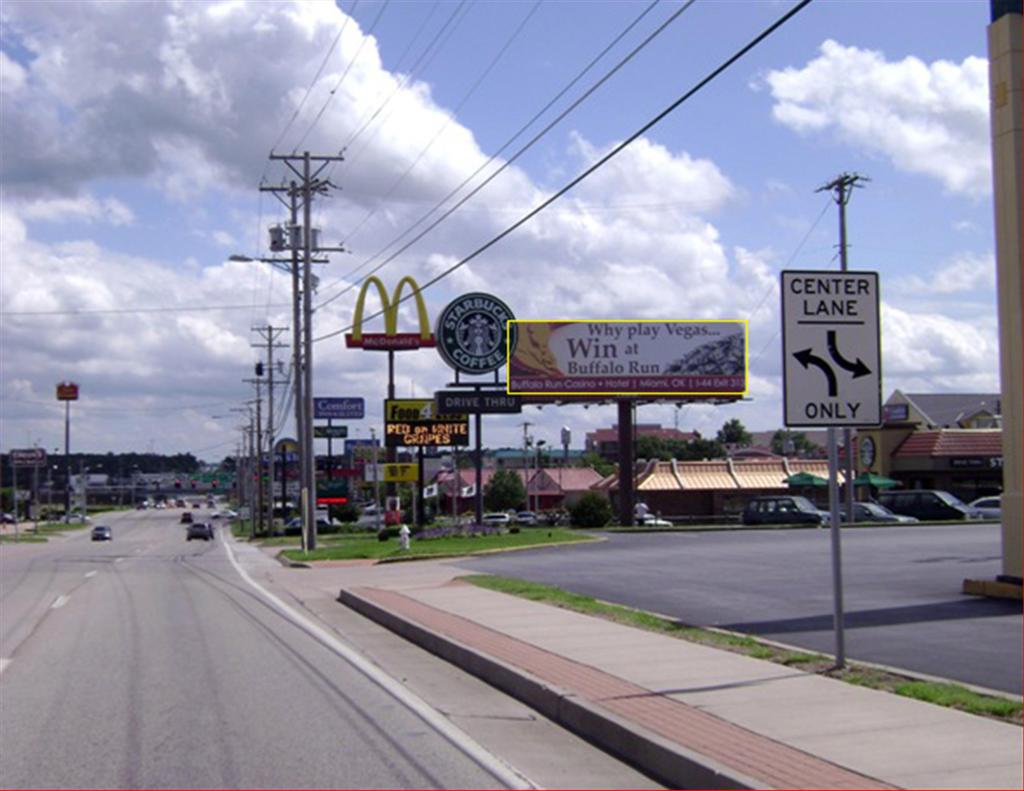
{"type": "Point", "coordinates": [777, 764]}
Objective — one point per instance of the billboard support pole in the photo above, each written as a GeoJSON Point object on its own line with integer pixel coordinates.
{"type": "Point", "coordinates": [626, 462]}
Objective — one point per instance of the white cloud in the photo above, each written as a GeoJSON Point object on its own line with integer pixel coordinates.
{"type": "Point", "coordinates": [965, 273]}
{"type": "Point", "coordinates": [927, 118]}
{"type": "Point", "coordinates": [83, 208]}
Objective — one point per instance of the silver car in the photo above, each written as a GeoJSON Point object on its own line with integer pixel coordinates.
{"type": "Point", "coordinates": [989, 507]}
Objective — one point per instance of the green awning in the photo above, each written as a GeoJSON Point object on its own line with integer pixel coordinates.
{"type": "Point", "coordinates": [877, 481]}
{"type": "Point", "coordinates": [806, 479]}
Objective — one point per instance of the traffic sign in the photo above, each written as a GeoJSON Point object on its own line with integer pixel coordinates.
{"type": "Point", "coordinates": [831, 351]}
{"type": "Point", "coordinates": [339, 408]}
{"type": "Point", "coordinates": [28, 457]}
{"type": "Point", "coordinates": [330, 432]}
{"type": "Point", "coordinates": [487, 402]}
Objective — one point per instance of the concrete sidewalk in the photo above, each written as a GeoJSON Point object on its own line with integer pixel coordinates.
{"type": "Point", "coordinates": [689, 715]}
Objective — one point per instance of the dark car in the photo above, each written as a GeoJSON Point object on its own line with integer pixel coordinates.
{"type": "Point", "coordinates": [783, 510]}
{"type": "Point", "coordinates": [930, 505]}
{"type": "Point", "coordinates": [203, 530]}
{"type": "Point", "coordinates": [873, 512]}
{"type": "Point", "coordinates": [102, 533]}
{"type": "Point", "coordinates": [186, 518]}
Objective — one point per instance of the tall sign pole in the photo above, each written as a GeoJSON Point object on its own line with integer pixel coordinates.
{"type": "Point", "coordinates": [831, 361]}
{"type": "Point", "coordinates": [67, 392]}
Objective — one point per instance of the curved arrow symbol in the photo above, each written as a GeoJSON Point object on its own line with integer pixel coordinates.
{"type": "Point", "coordinates": [807, 358]}
{"type": "Point", "coordinates": [858, 368]}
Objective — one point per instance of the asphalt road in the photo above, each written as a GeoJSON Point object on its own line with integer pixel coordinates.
{"type": "Point", "coordinates": [147, 662]}
{"type": "Point", "coordinates": [903, 605]}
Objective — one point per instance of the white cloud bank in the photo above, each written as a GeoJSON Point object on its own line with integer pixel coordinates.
{"type": "Point", "coordinates": [930, 119]}
{"type": "Point", "coordinates": [176, 98]}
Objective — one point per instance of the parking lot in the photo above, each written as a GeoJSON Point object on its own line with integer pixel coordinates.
{"type": "Point", "coordinates": [902, 588]}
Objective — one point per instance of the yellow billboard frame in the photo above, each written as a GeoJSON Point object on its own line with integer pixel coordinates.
{"type": "Point", "coordinates": [619, 394]}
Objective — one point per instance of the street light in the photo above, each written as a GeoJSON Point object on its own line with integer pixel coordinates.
{"type": "Point", "coordinates": [540, 444]}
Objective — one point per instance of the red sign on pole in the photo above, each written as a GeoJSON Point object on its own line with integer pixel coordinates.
{"type": "Point", "coordinates": [67, 391]}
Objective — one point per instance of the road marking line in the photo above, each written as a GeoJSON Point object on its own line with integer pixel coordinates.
{"type": "Point", "coordinates": [60, 602]}
{"type": "Point", "coordinates": [4, 663]}
{"type": "Point", "coordinates": [90, 574]}
{"type": "Point", "coordinates": [461, 740]}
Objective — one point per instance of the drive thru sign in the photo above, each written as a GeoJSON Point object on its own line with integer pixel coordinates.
{"type": "Point", "coordinates": [831, 356]}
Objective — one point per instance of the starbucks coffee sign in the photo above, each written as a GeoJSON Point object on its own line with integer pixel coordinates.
{"type": "Point", "coordinates": [471, 333]}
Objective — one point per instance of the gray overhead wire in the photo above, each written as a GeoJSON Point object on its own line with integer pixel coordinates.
{"type": "Point", "coordinates": [600, 162]}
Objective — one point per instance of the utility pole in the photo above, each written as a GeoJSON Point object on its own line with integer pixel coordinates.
{"type": "Point", "coordinates": [310, 184]}
{"type": "Point", "coordinates": [527, 441]}
{"type": "Point", "coordinates": [270, 335]}
{"type": "Point", "coordinates": [841, 187]}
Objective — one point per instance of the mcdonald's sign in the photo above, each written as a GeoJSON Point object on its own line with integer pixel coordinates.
{"type": "Point", "coordinates": [390, 339]}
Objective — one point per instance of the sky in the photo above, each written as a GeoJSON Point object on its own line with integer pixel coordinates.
{"type": "Point", "coordinates": [135, 138]}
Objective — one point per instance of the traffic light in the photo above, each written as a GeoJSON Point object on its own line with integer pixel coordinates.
{"type": "Point", "coordinates": [259, 369]}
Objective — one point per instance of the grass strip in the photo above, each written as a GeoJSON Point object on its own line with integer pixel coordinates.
{"type": "Point", "coordinates": [371, 549]}
{"type": "Point", "coordinates": [938, 693]}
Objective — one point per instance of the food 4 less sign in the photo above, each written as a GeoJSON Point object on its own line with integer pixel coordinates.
{"type": "Point", "coordinates": [410, 422]}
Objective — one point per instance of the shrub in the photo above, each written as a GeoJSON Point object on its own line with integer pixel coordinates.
{"type": "Point", "coordinates": [592, 510]}
{"type": "Point", "coordinates": [346, 513]}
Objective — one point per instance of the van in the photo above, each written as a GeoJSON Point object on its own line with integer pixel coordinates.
{"type": "Point", "coordinates": [928, 505]}
{"type": "Point", "coordinates": [783, 510]}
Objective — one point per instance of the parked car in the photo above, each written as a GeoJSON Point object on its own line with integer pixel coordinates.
{"type": "Point", "coordinates": [203, 530]}
{"type": "Point", "coordinates": [873, 512]}
{"type": "Point", "coordinates": [102, 533]}
{"type": "Point", "coordinates": [7, 519]}
{"type": "Point", "coordinates": [497, 519]}
{"type": "Point", "coordinates": [77, 519]}
{"type": "Point", "coordinates": [930, 505]}
{"type": "Point", "coordinates": [650, 520]}
{"type": "Point", "coordinates": [526, 518]}
{"type": "Point", "coordinates": [988, 507]}
{"type": "Point", "coordinates": [783, 510]}
{"type": "Point", "coordinates": [186, 518]}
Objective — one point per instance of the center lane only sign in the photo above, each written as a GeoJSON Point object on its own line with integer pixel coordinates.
{"type": "Point", "coordinates": [831, 351]}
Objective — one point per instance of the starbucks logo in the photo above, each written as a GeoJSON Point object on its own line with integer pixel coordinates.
{"type": "Point", "coordinates": [471, 333]}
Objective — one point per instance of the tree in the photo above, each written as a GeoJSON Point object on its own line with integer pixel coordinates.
{"type": "Point", "coordinates": [800, 446]}
{"type": "Point", "coordinates": [652, 448]}
{"type": "Point", "coordinates": [603, 467]}
{"type": "Point", "coordinates": [733, 432]}
{"type": "Point", "coordinates": [592, 510]}
{"type": "Point", "coordinates": [697, 449]}
{"type": "Point", "coordinates": [505, 490]}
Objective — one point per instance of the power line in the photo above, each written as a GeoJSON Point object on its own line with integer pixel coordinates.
{"type": "Point", "coordinates": [344, 74]}
{"type": "Point", "coordinates": [449, 117]}
{"type": "Point", "coordinates": [417, 65]}
{"type": "Point", "coordinates": [508, 142]}
{"type": "Point", "coordinates": [600, 162]}
{"type": "Point", "coordinates": [319, 71]}
{"type": "Point", "coordinates": [102, 311]}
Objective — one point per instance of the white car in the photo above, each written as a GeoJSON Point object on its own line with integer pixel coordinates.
{"type": "Point", "coordinates": [988, 507]}
{"type": "Point", "coordinates": [653, 521]}
{"type": "Point", "coordinates": [497, 519]}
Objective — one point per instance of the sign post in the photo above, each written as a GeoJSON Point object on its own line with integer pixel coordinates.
{"type": "Point", "coordinates": [832, 375]}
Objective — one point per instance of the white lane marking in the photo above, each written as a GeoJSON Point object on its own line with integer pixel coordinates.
{"type": "Point", "coordinates": [118, 560]}
{"type": "Point", "coordinates": [4, 663]}
{"type": "Point", "coordinates": [59, 602]}
{"type": "Point", "coordinates": [491, 763]}
{"type": "Point", "coordinates": [90, 574]}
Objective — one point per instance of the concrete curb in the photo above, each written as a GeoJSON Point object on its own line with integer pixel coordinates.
{"type": "Point", "coordinates": [667, 762]}
{"type": "Point", "coordinates": [292, 564]}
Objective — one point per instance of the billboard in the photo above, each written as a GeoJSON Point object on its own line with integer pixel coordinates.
{"type": "Point", "coordinates": [339, 408]}
{"type": "Point", "coordinates": [629, 358]}
{"type": "Point", "coordinates": [411, 422]}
